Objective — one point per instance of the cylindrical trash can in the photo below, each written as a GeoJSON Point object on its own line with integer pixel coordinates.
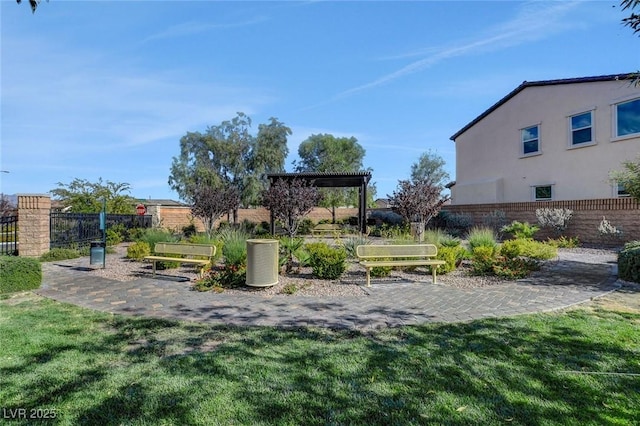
{"type": "Point", "coordinates": [96, 253]}
{"type": "Point", "coordinates": [262, 263]}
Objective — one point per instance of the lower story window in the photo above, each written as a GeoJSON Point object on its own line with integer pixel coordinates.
{"type": "Point", "coordinates": [621, 191]}
{"type": "Point", "coordinates": [542, 193]}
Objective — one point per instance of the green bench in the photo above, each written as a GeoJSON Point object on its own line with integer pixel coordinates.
{"type": "Point", "coordinates": [197, 254]}
{"type": "Point", "coordinates": [326, 228]}
{"type": "Point", "coordinates": [372, 255]}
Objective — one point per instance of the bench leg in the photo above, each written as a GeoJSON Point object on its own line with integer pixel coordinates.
{"type": "Point", "coordinates": [433, 273]}
{"type": "Point", "coordinates": [368, 277]}
{"type": "Point", "coordinates": [154, 267]}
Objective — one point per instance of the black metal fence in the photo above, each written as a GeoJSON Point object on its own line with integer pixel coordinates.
{"type": "Point", "coordinates": [79, 229]}
{"type": "Point", "coordinates": [9, 235]}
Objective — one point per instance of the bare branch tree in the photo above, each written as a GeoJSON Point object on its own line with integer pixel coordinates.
{"type": "Point", "coordinates": [290, 201]}
{"type": "Point", "coordinates": [417, 200]}
{"type": "Point", "coordinates": [210, 203]}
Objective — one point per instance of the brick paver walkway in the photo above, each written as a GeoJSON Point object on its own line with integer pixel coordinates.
{"type": "Point", "coordinates": [562, 284]}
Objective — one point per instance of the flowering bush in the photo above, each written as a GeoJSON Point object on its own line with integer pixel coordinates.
{"type": "Point", "coordinates": [557, 219]}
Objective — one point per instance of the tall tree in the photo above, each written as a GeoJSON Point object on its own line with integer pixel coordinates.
{"type": "Point", "coordinates": [6, 207]}
{"type": "Point", "coordinates": [82, 196]}
{"type": "Point", "coordinates": [33, 3]}
{"type": "Point", "coordinates": [268, 156]}
{"type": "Point", "coordinates": [323, 153]}
{"type": "Point", "coordinates": [430, 167]}
{"type": "Point", "coordinates": [228, 156]}
{"type": "Point", "coordinates": [633, 20]}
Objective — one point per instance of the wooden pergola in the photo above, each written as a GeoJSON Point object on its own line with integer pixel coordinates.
{"type": "Point", "coordinates": [358, 180]}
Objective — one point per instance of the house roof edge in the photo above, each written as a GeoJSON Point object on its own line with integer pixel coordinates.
{"type": "Point", "coordinates": [525, 84]}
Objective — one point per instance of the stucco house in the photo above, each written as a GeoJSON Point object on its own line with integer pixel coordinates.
{"type": "Point", "coordinates": [549, 140]}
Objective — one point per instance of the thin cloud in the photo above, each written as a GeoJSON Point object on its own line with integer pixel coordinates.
{"type": "Point", "coordinates": [535, 21]}
{"type": "Point", "coordinates": [194, 27]}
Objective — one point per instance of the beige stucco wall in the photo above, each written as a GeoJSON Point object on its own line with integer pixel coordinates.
{"type": "Point", "coordinates": [490, 167]}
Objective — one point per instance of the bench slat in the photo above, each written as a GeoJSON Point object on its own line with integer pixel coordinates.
{"type": "Point", "coordinates": [404, 250]}
{"type": "Point", "coordinates": [185, 249]}
{"type": "Point", "coordinates": [202, 250]}
{"type": "Point", "coordinates": [372, 255]}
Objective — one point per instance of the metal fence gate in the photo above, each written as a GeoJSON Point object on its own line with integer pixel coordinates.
{"type": "Point", "coordinates": [9, 235]}
{"type": "Point", "coordinates": [70, 230]}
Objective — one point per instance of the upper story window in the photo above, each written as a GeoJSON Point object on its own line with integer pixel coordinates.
{"type": "Point", "coordinates": [530, 140]}
{"type": "Point", "coordinates": [581, 129]}
{"type": "Point", "coordinates": [627, 118]}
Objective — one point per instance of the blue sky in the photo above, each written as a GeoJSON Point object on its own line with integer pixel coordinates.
{"type": "Point", "coordinates": [105, 89]}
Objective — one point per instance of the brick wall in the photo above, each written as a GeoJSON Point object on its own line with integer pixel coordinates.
{"type": "Point", "coordinates": [34, 214]}
{"type": "Point", "coordinates": [624, 213]}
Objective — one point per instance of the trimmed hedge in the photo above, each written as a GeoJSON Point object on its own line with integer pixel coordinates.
{"type": "Point", "coordinates": [19, 274]}
{"type": "Point", "coordinates": [629, 262]}
{"type": "Point", "coordinates": [327, 263]}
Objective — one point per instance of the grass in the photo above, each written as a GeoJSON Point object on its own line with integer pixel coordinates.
{"type": "Point", "coordinates": [571, 368]}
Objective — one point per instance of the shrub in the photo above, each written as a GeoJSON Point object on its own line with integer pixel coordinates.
{"type": "Point", "coordinates": [115, 234]}
{"type": "Point", "coordinates": [327, 262]}
{"type": "Point", "coordinates": [350, 244]}
{"type": "Point", "coordinates": [189, 230]}
{"type": "Point", "coordinates": [138, 250]}
{"type": "Point", "coordinates": [387, 217]}
{"type": "Point", "coordinates": [19, 274]}
{"type": "Point", "coordinates": [135, 234]}
{"type": "Point", "coordinates": [153, 236]}
{"type": "Point", "coordinates": [564, 242]}
{"type": "Point", "coordinates": [495, 220]}
{"type": "Point", "coordinates": [557, 219]}
{"type": "Point", "coordinates": [289, 288]}
{"type": "Point", "coordinates": [529, 249]}
{"type": "Point", "coordinates": [222, 276]}
{"type": "Point", "coordinates": [458, 224]}
{"type": "Point", "coordinates": [608, 231]}
{"type": "Point", "coordinates": [629, 262]}
{"type": "Point", "coordinates": [440, 238]}
{"type": "Point", "coordinates": [59, 254]}
{"type": "Point", "coordinates": [305, 226]}
{"type": "Point", "coordinates": [235, 252]}
{"type": "Point", "coordinates": [381, 271]}
{"type": "Point", "coordinates": [514, 268]}
{"type": "Point", "coordinates": [521, 229]}
{"type": "Point", "coordinates": [290, 248]}
{"type": "Point", "coordinates": [482, 260]}
{"type": "Point", "coordinates": [481, 237]}
{"type": "Point", "coordinates": [452, 256]}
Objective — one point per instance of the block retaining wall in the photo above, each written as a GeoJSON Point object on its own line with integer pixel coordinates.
{"type": "Point", "coordinates": [623, 213]}
{"type": "Point", "coordinates": [175, 218]}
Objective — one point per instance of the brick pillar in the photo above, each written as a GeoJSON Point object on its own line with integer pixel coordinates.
{"type": "Point", "coordinates": [34, 216]}
{"type": "Point", "coordinates": [154, 211]}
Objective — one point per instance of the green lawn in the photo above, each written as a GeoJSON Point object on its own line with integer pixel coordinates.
{"type": "Point", "coordinates": [572, 368]}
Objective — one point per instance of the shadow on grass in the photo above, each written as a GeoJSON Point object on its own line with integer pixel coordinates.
{"type": "Point", "coordinates": [102, 369]}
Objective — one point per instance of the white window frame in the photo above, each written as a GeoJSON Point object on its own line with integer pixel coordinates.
{"type": "Point", "coordinates": [522, 141]}
{"type": "Point", "coordinates": [592, 142]}
{"type": "Point", "coordinates": [614, 119]}
{"type": "Point", "coordinates": [618, 191]}
{"type": "Point", "coordinates": [544, 185]}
